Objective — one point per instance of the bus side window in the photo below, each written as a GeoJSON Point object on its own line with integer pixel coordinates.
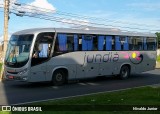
{"type": "Point", "coordinates": [87, 43]}
{"type": "Point", "coordinates": [113, 43]}
{"type": "Point", "coordinates": [124, 43]}
{"type": "Point", "coordinates": [101, 44]}
{"type": "Point", "coordinates": [62, 42]}
{"type": "Point", "coordinates": [131, 43]}
{"type": "Point", "coordinates": [109, 43]}
{"type": "Point", "coordinates": [70, 43]}
{"type": "Point", "coordinates": [139, 43]}
{"type": "Point", "coordinates": [145, 43]}
{"type": "Point", "coordinates": [136, 43]}
{"type": "Point", "coordinates": [66, 43]}
{"type": "Point", "coordinates": [151, 43]}
{"type": "Point", "coordinates": [80, 42]}
{"type": "Point", "coordinates": [118, 43]}
{"type": "Point", "coordinates": [76, 43]}
{"type": "Point", "coordinates": [95, 43]}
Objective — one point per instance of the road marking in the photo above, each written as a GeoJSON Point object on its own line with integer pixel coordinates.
{"type": "Point", "coordinates": [83, 95]}
{"type": "Point", "coordinates": [84, 84]}
{"type": "Point", "coordinates": [55, 87]}
{"type": "Point", "coordinates": [93, 84]}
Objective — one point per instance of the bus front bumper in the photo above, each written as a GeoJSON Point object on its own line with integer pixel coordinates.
{"type": "Point", "coordinates": [17, 78]}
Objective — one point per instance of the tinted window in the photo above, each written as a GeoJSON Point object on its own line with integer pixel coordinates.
{"type": "Point", "coordinates": [109, 43]}
{"type": "Point", "coordinates": [117, 43]}
{"type": "Point", "coordinates": [95, 43]}
{"type": "Point", "coordinates": [66, 43]}
{"type": "Point", "coordinates": [151, 44]}
{"type": "Point", "coordinates": [87, 42]}
{"type": "Point", "coordinates": [124, 43]}
{"type": "Point", "coordinates": [101, 43]}
{"type": "Point", "coordinates": [42, 48]}
{"type": "Point", "coordinates": [136, 43]}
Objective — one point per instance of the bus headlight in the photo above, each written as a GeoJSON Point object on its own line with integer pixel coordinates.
{"type": "Point", "coordinates": [23, 71]}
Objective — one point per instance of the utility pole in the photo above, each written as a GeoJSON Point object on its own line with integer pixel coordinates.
{"type": "Point", "coordinates": [6, 18]}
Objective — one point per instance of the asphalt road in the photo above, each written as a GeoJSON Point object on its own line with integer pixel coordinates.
{"type": "Point", "coordinates": [18, 92]}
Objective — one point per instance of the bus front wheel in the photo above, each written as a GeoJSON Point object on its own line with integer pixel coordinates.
{"type": "Point", "coordinates": [124, 72]}
{"type": "Point", "coordinates": [58, 78]}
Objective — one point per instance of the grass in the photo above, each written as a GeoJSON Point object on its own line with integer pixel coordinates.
{"type": "Point", "coordinates": [158, 58]}
{"type": "Point", "coordinates": [0, 66]}
{"type": "Point", "coordinates": [136, 96]}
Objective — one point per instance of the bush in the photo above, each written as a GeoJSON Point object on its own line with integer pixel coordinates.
{"type": "Point", "coordinates": [158, 58]}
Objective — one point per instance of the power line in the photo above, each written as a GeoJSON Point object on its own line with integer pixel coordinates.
{"type": "Point", "coordinates": [84, 22]}
{"type": "Point", "coordinates": [72, 19]}
{"type": "Point", "coordinates": [52, 19]}
{"type": "Point", "coordinates": [83, 16]}
{"type": "Point", "coordinates": [45, 18]}
{"type": "Point", "coordinates": [64, 20]}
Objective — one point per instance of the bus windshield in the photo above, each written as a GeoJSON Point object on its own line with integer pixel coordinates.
{"type": "Point", "coordinates": [18, 50]}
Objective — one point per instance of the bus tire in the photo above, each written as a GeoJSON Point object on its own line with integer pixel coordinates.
{"type": "Point", "coordinates": [124, 72]}
{"type": "Point", "coordinates": [58, 78]}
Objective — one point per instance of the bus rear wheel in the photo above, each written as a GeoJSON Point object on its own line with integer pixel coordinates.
{"type": "Point", "coordinates": [58, 78]}
{"type": "Point", "coordinates": [124, 72]}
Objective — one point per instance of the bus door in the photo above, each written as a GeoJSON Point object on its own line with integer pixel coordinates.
{"type": "Point", "coordinates": [41, 54]}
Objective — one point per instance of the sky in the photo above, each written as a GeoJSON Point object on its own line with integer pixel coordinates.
{"type": "Point", "coordinates": [127, 15]}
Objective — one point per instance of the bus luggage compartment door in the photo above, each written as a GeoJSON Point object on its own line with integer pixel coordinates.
{"type": "Point", "coordinates": [38, 72]}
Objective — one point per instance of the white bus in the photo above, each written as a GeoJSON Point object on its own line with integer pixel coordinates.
{"type": "Point", "coordinates": [61, 54]}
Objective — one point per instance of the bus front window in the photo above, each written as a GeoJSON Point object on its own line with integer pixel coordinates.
{"type": "Point", "coordinates": [18, 50]}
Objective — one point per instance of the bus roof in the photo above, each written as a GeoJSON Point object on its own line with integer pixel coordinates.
{"type": "Point", "coordinates": [85, 31]}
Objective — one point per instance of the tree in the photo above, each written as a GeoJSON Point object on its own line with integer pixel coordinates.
{"type": "Point", "coordinates": [158, 39]}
